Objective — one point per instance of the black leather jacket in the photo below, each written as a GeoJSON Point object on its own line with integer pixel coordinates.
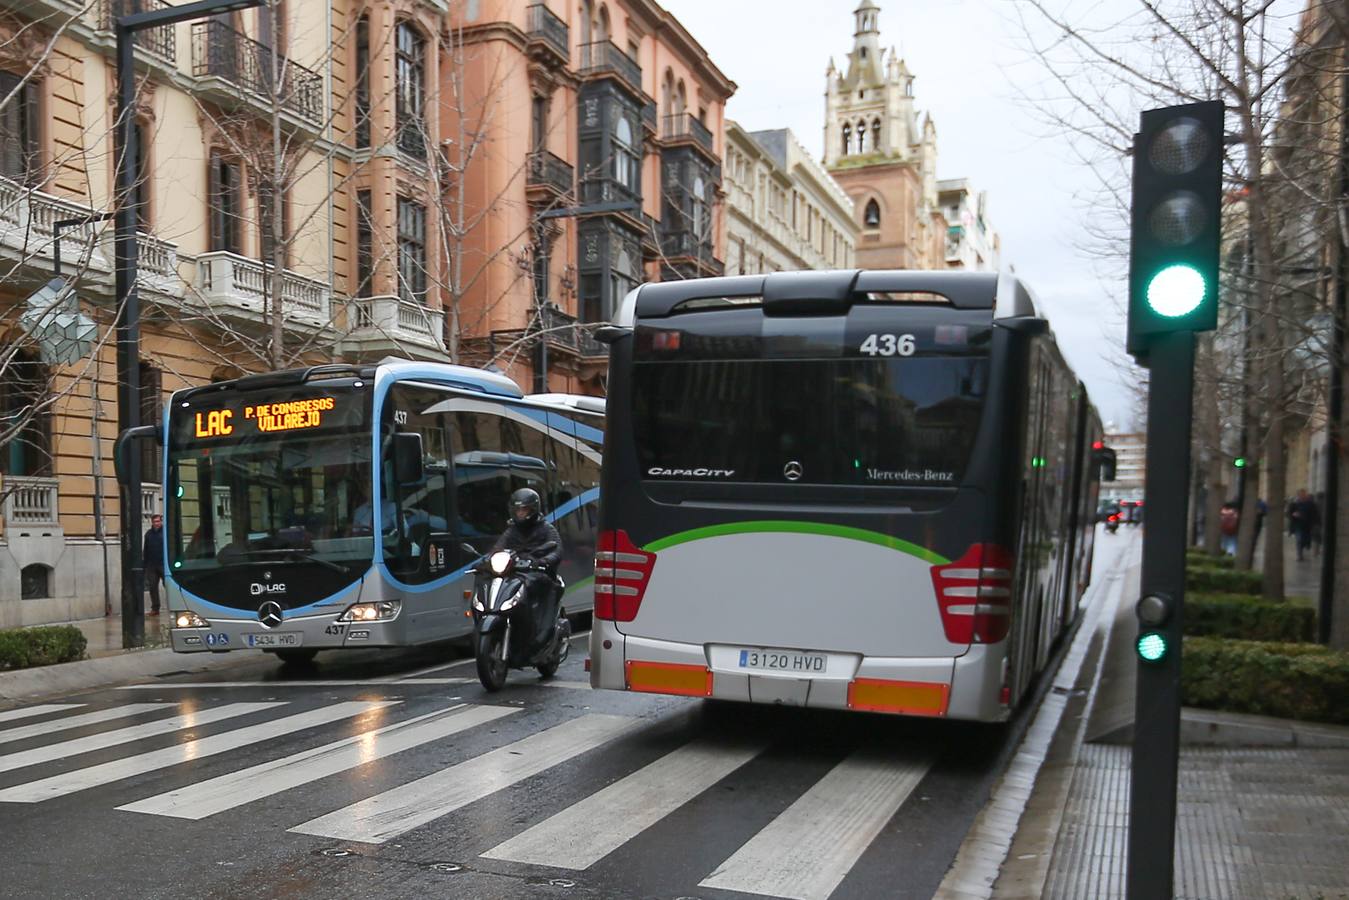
{"type": "Point", "coordinates": [530, 542]}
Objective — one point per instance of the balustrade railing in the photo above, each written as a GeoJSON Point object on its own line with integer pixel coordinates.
{"type": "Point", "coordinates": [233, 280]}
{"type": "Point", "coordinates": [30, 502]}
{"type": "Point", "coordinates": [397, 319]}
{"type": "Point", "coordinates": [686, 126]}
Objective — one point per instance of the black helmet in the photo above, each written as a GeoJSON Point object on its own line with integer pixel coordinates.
{"type": "Point", "coordinates": [525, 507]}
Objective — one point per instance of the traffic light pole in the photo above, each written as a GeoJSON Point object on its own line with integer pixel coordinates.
{"type": "Point", "coordinates": [1152, 797]}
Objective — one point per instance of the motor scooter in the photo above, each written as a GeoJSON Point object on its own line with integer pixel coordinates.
{"type": "Point", "coordinates": [503, 622]}
{"type": "Point", "coordinates": [1112, 523]}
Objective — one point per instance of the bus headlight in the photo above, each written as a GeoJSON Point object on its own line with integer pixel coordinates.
{"type": "Point", "coordinates": [382, 611]}
{"type": "Point", "coordinates": [189, 620]}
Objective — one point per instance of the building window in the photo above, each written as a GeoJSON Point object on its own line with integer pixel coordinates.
{"type": "Point", "coordinates": [225, 199]}
{"type": "Point", "coordinates": [35, 582]}
{"type": "Point", "coordinates": [267, 237]}
{"type": "Point", "coordinates": [410, 76]}
{"type": "Point", "coordinates": [740, 256]}
{"type": "Point", "coordinates": [861, 137]}
{"type": "Point", "coordinates": [627, 161]}
{"type": "Point", "coordinates": [872, 217]}
{"type": "Point", "coordinates": [365, 244]}
{"type": "Point", "coordinates": [411, 251]}
{"type": "Point", "coordinates": [539, 271]}
{"type": "Point", "coordinates": [702, 222]}
{"type": "Point", "coordinates": [19, 157]}
{"type": "Point", "coordinates": [847, 138]}
{"type": "Point", "coordinates": [23, 389]}
{"type": "Point", "coordinates": [140, 191]}
{"type": "Point", "coordinates": [538, 124]}
{"type": "Point", "coordinates": [152, 408]}
{"type": "Point", "coordinates": [876, 134]}
{"type": "Point", "coordinates": [362, 66]}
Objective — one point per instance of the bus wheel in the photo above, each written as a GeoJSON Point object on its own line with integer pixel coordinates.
{"type": "Point", "coordinates": [296, 657]}
{"type": "Point", "coordinates": [491, 655]}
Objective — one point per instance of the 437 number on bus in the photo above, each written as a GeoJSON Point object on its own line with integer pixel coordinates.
{"type": "Point", "coordinates": [888, 345]}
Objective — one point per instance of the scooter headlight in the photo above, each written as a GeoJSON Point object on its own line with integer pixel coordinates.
{"type": "Point", "coordinates": [512, 601]}
{"type": "Point", "coordinates": [499, 562]}
{"type": "Point", "coordinates": [382, 611]}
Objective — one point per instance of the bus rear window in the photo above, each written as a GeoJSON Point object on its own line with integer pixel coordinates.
{"type": "Point", "coordinates": [884, 421]}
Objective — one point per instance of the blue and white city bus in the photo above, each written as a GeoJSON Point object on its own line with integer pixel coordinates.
{"type": "Point", "coordinates": [334, 506]}
{"type": "Point", "coordinates": [852, 490]}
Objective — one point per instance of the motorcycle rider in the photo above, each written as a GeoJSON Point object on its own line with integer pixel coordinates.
{"type": "Point", "coordinates": [529, 537]}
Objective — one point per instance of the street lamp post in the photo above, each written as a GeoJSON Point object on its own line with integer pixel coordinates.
{"type": "Point", "coordinates": [125, 256]}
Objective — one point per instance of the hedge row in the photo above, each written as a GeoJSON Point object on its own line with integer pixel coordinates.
{"type": "Point", "coordinates": [1200, 559]}
{"type": "Point", "coordinates": [1211, 580]}
{"type": "Point", "coordinates": [1247, 618]}
{"type": "Point", "coordinates": [42, 646]}
{"type": "Point", "coordinates": [1290, 681]}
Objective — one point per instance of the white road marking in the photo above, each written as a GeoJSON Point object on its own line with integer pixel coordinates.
{"type": "Point", "coordinates": [90, 718]}
{"type": "Point", "coordinates": [586, 832]}
{"type": "Point", "coordinates": [352, 682]}
{"type": "Point", "coordinates": [26, 712]}
{"type": "Point", "coordinates": [206, 798]}
{"type": "Point", "coordinates": [573, 685]}
{"type": "Point", "coordinates": [105, 739]}
{"type": "Point", "coordinates": [81, 779]}
{"type": "Point", "coordinates": [807, 850]}
{"type": "Point", "coordinates": [387, 815]}
{"type": "Point", "coordinates": [439, 667]}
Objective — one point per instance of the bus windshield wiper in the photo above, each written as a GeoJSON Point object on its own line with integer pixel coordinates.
{"type": "Point", "coordinates": [300, 555]}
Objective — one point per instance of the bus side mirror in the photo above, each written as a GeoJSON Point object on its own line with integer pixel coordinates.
{"type": "Point", "coordinates": [1031, 325]}
{"type": "Point", "coordinates": [407, 457]}
{"type": "Point", "coordinates": [1104, 458]}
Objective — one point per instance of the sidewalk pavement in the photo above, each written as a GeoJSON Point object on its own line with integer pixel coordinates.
{"type": "Point", "coordinates": [1262, 803]}
{"type": "Point", "coordinates": [108, 664]}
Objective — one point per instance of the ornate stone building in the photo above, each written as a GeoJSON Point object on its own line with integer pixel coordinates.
{"type": "Point", "coordinates": [783, 210]}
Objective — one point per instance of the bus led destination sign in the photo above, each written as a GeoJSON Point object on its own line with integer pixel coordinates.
{"type": "Point", "coordinates": [289, 415]}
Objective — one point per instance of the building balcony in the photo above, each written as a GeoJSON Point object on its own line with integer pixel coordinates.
{"type": "Point", "coordinates": [650, 237]}
{"type": "Point", "coordinates": [688, 254]}
{"type": "Point", "coordinates": [234, 67]}
{"type": "Point", "coordinates": [30, 503]}
{"type": "Point", "coordinates": [602, 59]}
{"type": "Point", "coordinates": [549, 177]}
{"type": "Point", "coordinates": [159, 41]}
{"type": "Point", "coordinates": [561, 330]}
{"type": "Point", "coordinates": [548, 33]}
{"type": "Point", "coordinates": [388, 324]}
{"type": "Point", "coordinates": [685, 128]}
{"type": "Point", "coordinates": [649, 118]}
{"type": "Point", "coordinates": [237, 288]}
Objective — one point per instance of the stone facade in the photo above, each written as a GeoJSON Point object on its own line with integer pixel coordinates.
{"type": "Point", "coordinates": [784, 212]}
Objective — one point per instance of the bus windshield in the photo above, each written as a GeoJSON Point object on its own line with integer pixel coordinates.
{"type": "Point", "coordinates": [276, 480]}
{"type": "Point", "coordinates": [864, 421]}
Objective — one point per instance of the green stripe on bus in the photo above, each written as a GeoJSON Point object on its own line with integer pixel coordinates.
{"type": "Point", "coordinates": [578, 585]}
{"type": "Point", "coordinates": [790, 527]}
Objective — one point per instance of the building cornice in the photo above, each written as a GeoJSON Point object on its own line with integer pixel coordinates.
{"type": "Point", "coordinates": [656, 21]}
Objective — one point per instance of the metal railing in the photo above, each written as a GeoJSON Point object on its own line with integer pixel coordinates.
{"type": "Point", "coordinates": [31, 502]}
{"type": "Point", "coordinates": [649, 117]}
{"type": "Point", "coordinates": [685, 126]}
{"type": "Point", "coordinates": [601, 57]}
{"type": "Point", "coordinates": [545, 25]}
{"type": "Point", "coordinates": [220, 51]}
{"type": "Point", "coordinates": [549, 170]}
{"type": "Point", "coordinates": [160, 41]}
{"type": "Point", "coordinates": [684, 243]}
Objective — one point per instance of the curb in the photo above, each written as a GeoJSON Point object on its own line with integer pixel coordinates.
{"type": "Point", "coordinates": [1208, 728]}
{"type": "Point", "coordinates": [106, 671]}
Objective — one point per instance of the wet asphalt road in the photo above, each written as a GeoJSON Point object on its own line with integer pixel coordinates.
{"type": "Point", "coordinates": [394, 774]}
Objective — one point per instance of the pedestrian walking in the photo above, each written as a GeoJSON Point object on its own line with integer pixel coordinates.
{"type": "Point", "coordinates": [152, 551]}
{"type": "Point", "coordinates": [1228, 519]}
{"type": "Point", "coordinates": [1303, 518]}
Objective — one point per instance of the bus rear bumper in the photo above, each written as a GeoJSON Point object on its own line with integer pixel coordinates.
{"type": "Point", "coordinates": [938, 686]}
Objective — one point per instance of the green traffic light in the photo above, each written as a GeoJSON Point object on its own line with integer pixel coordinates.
{"type": "Point", "coordinates": [1151, 646]}
{"type": "Point", "coordinates": [1176, 291]}
{"type": "Point", "coordinates": [1239, 462]}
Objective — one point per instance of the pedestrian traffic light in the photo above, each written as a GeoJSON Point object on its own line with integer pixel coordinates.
{"type": "Point", "coordinates": [1176, 222]}
{"type": "Point", "coordinates": [1152, 646]}
{"type": "Point", "coordinates": [1154, 613]}
{"type": "Point", "coordinates": [1239, 462]}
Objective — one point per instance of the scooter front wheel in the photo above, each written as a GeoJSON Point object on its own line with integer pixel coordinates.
{"type": "Point", "coordinates": [491, 657]}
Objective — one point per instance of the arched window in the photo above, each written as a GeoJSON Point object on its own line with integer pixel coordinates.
{"type": "Point", "coordinates": [587, 17]}
{"type": "Point", "coordinates": [847, 138]}
{"type": "Point", "coordinates": [410, 77]}
{"type": "Point", "coordinates": [667, 93]}
{"type": "Point", "coordinates": [681, 98]}
{"type": "Point", "coordinates": [861, 137]}
{"type": "Point", "coordinates": [872, 217]}
{"type": "Point", "coordinates": [627, 161]}
{"type": "Point", "coordinates": [604, 32]}
{"type": "Point", "coordinates": [876, 134]}
{"type": "Point", "coordinates": [35, 582]}
{"type": "Point", "coordinates": [701, 221]}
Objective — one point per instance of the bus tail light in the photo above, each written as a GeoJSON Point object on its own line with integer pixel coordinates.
{"type": "Point", "coordinates": [622, 571]}
{"type": "Point", "coordinates": [974, 594]}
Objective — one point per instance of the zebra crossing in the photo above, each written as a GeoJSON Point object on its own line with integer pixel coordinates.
{"type": "Point", "coordinates": [804, 852]}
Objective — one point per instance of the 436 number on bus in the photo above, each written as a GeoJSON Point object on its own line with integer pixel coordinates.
{"type": "Point", "coordinates": [888, 345]}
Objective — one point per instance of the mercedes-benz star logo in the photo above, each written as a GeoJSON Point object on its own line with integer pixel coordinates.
{"type": "Point", "coordinates": [792, 471]}
{"type": "Point", "coordinates": [269, 614]}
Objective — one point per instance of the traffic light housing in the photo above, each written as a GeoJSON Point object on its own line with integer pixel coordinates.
{"type": "Point", "coordinates": [1176, 222]}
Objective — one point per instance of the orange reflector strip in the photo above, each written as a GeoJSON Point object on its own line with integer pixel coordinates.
{"type": "Point", "coordinates": [669, 678]}
{"type": "Point", "coordinates": [912, 698]}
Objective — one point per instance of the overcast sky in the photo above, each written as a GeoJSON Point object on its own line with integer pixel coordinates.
{"type": "Point", "coordinates": [970, 65]}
